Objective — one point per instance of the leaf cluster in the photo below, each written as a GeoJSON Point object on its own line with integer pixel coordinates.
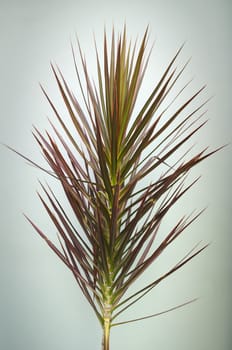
{"type": "Point", "coordinates": [117, 171]}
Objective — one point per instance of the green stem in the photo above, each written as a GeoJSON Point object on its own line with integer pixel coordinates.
{"type": "Point", "coordinates": [106, 334]}
{"type": "Point", "coordinates": [107, 307]}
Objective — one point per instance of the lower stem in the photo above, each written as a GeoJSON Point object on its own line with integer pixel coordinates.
{"type": "Point", "coordinates": [106, 335]}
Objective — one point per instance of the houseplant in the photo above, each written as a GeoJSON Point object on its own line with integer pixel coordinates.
{"type": "Point", "coordinates": [104, 164]}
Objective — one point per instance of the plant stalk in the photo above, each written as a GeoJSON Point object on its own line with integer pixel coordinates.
{"type": "Point", "coordinates": [106, 334]}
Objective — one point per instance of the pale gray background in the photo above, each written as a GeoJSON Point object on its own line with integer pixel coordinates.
{"type": "Point", "coordinates": [40, 305]}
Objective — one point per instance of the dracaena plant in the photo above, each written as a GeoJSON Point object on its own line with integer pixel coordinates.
{"type": "Point", "coordinates": [121, 171]}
